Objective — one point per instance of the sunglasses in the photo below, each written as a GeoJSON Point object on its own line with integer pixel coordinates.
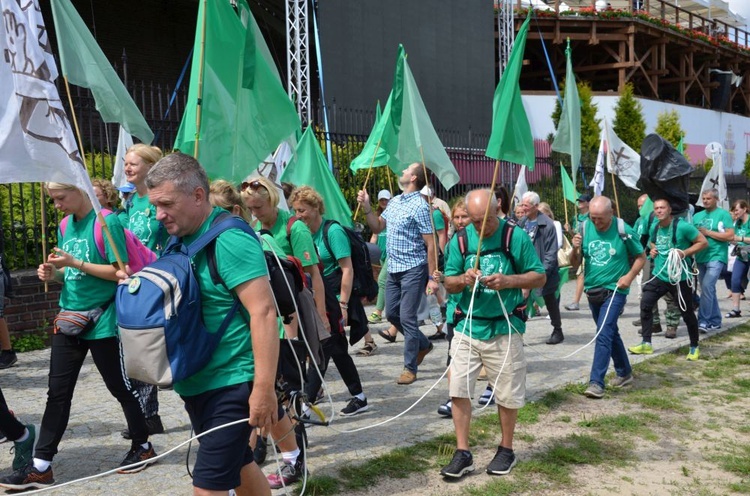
{"type": "Point", "coordinates": [253, 185]}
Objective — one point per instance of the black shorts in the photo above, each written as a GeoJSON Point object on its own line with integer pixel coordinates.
{"type": "Point", "coordinates": [222, 453]}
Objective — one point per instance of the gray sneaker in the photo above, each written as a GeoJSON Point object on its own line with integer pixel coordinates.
{"type": "Point", "coordinates": [594, 391]}
{"type": "Point", "coordinates": [619, 382]}
{"type": "Point", "coordinates": [572, 306]}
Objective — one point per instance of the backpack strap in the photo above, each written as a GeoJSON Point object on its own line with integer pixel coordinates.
{"type": "Point", "coordinates": [621, 229]}
{"type": "Point", "coordinates": [463, 241]}
{"type": "Point", "coordinates": [289, 224]}
{"type": "Point", "coordinates": [326, 226]}
{"type": "Point", "coordinates": [98, 237]}
{"type": "Point", "coordinates": [221, 223]}
{"type": "Point", "coordinates": [675, 221]}
{"type": "Point", "coordinates": [507, 236]}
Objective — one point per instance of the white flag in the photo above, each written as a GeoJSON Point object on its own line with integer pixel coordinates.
{"type": "Point", "coordinates": [36, 140]}
{"type": "Point", "coordinates": [124, 142]}
{"type": "Point", "coordinates": [622, 160]}
{"type": "Point", "coordinates": [715, 178]}
{"type": "Point", "coordinates": [521, 186]}
{"type": "Point", "coordinates": [598, 181]}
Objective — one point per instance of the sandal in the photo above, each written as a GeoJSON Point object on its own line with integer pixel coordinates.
{"type": "Point", "coordinates": [733, 314]}
{"type": "Point", "coordinates": [374, 318]}
{"type": "Point", "coordinates": [438, 336]}
{"type": "Point", "coordinates": [387, 336]}
{"type": "Point", "coordinates": [368, 349]}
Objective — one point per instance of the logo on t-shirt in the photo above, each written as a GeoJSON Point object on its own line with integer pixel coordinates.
{"type": "Point", "coordinates": [307, 255]}
{"type": "Point", "coordinates": [489, 264]}
{"type": "Point", "coordinates": [663, 241]}
{"type": "Point", "coordinates": [707, 223]}
{"type": "Point", "coordinates": [140, 225]}
{"type": "Point", "coordinates": [600, 252]}
{"type": "Point", "coordinates": [79, 249]}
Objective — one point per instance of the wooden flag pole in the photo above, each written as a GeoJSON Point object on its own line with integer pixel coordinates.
{"type": "Point", "coordinates": [614, 189]}
{"type": "Point", "coordinates": [99, 216]}
{"type": "Point", "coordinates": [565, 207]}
{"type": "Point", "coordinates": [367, 177]}
{"type": "Point", "coordinates": [487, 213]}
{"type": "Point", "coordinates": [44, 231]}
{"type": "Point", "coordinates": [199, 103]}
{"type": "Point", "coordinates": [390, 183]}
{"type": "Point", "coordinates": [429, 204]}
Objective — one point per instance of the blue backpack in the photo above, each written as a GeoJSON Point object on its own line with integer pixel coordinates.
{"type": "Point", "coordinates": [159, 316]}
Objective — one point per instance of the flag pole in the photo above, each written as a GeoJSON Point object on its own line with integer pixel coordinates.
{"type": "Point", "coordinates": [429, 204]}
{"type": "Point", "coordinates": [44, 231]}
{"type": "Point", "coordinates": [199, 103]}
{"type": "Point", "coordinates": [487, 213]}
{"type": "Point", "coordinates": [614, 189]}
{"type": "Point", "coordinates": [367, 177]}
{"type": "Point", "coordinates": [100, 217]}
{"type": "Point", "coordinates": [390, 183]}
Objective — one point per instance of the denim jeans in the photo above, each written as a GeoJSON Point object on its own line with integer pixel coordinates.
{"type": "Point", "coordinates": [739, 273]}
{"type": "Point", "coordinates": [403, 290]}
{"type": "Point", "coordinates": [608, 342]}
{"type": "Point", "coordinates": [708, 311]}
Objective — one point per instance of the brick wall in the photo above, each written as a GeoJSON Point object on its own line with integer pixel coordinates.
{"type": "Point", "coordinates": [31, 309]}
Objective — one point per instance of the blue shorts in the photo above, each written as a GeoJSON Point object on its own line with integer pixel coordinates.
{"type": "Point", "coordinates": [222, 453]}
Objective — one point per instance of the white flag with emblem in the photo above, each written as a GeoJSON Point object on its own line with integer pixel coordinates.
{"type": "Point", "coordinates": [622, 160]}
{"type": "Point", "coordinates": [124, 141]}
{"type": "Point", "coordinates": [598, 181]}
{"type": "Point", "coordinates": [715, 178]}
{"type": "Point", "coordinates": [36, 140]}
{"type": "Point", "coordinates": [521, 186]}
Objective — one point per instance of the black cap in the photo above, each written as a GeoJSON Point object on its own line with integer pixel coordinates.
{"type": "Point", "coordinates": [584, 198]}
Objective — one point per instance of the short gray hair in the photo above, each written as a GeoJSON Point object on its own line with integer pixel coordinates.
{"type": "Point", "coordinates": [532, 197]}
{"type": "Point", "coordinates": [183, 171]}
{"type": "Point", "coordinates": [711, 191]}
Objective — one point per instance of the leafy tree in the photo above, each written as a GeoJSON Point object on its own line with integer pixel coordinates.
{"type": "Point", "coordinates": [668, 126]}
{"type": "Point", "coordinates": [746, 169]}
{"type": "Point", "coordinates": [629, 124]}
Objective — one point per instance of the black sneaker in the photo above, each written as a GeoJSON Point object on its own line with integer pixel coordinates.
{"type": "Point", "coordinates": [354, 407]}
{"type": "Point", "coordinates": [261, 450]}
{"type": "Point", "coordinates": [503, 462]}
{"type": "Point", "coordinates": [135, 455]}
{"type": "Point", "coordinates": [446, 409]}
{"type": "Point", "coordinates": [8, 358]}
{"type": "Point", "coordinates": [287, 474]}
{"type": "Point", "coordinates": [462, 464]}
{"type": "Point", "coordinates": [28, 477]}
{"type": "Point", "coordinates": [23, 450]}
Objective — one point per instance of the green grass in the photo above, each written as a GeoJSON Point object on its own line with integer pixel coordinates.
{"type": "Point", "coordinates": [320, 485]}
{"type": "Point", "coordinates": [531, 412]}
{"type": "Point", "coordinates": [656, 400]}
{"type": "Point", "coordinates": [736, 461]}
{"type": "Point", "coordinates": [624, 424]}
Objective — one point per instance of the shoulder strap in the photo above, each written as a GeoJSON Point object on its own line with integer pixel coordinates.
{"type": "Point", "coordinates": [463, 241]}
{"type": "Point", "coordinates": [621, 229]}
{"type": "Point", "coordinates": [226, 219]}
{"type": "Point", "coordinates": [326, 227]}
{"type": "Point", "coordinates": [289, 225]}
{"type": "Point", "coordinates": [507, 236]}
{"type": "Point", "coordinates": [223, 222]}
{"type": "Point", "coordinates": [675, 221]}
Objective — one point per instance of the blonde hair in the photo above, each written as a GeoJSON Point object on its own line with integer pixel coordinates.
{"type": "Point", "coordinates": [546, 210]}
{"type": "Point", "coordinates": [268, 190]}
{"type": "Point", "coordinates": [108, 190]}
{"type": "Point", "coordinates": [223, 194]}
{"type": "Point", "coordinates": [62, 186]}
{"type": "Point", "coordinates": [149, 154]}
{"type": "Point", "coordinates": [308, 195]}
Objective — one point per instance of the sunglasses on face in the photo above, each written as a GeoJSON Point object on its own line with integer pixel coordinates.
{"type": "Point", "coordinates": [253, 185]}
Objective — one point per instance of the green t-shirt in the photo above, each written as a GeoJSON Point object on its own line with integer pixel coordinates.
{"type": "Point", "coordinates": [340, 246]}
{"type": "Point", "coordinates": [381, 242]}
{"type": "Point", "coordinates": [142, 221]}
{"type": "Point", "coordinates": [452, 299]}
{"type": "Point", "coordinates": [717, 220]}
{"type": "Point", "coordinates": [686, 234]}
{"type": "Point", "coordinates": [742, 230]}
{"type": "Point", "coordinates": [492, 261]}
{"type": "Point", "coordinates": [302, 245]}
{"type": "Point", "coordinates": [82, 291]}
{"type": "Point", "coordinates": [607, 255]}
{"type": "Point", "coordinates": [239, 258]}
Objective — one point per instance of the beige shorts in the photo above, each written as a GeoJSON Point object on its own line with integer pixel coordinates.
{"type": "Point", "coordinates": [467, 357]}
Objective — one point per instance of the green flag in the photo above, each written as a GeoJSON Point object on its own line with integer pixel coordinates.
{"type": "Point", "coordinates": [569, 190]}
{"type": "Point", "coordinates": [511, 138]}
{"type": "Point", "coordinates": [646, 209]}
{"type": "Point", "coordinates": [365, 158]}
{"type": "Point", "coordinates": [681, 145]}
{"type": "Point", "coordinates": [84, 64]}
{"type": "Point", "coordinates": [237, 109]}
{"type": "Point", "coordinates": [568, 139]}
{"type": "Point", "coordinates": [308, 167]}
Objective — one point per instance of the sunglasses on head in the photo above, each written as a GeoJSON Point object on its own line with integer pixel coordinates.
{"type": "Point", "coordinates": [253, 185]}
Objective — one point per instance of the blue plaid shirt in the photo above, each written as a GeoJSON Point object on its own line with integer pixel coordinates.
{"type": "Point", "coordinates": [407, 218]}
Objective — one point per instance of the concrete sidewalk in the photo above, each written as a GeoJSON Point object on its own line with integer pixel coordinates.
{"type": "Point", "coordinates": [92, 443]}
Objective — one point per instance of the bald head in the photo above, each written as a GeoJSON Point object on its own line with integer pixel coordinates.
{"type": "Point", "coordinates": [600, 212]}
{"type": "Point", "coordinates": [476, 204]}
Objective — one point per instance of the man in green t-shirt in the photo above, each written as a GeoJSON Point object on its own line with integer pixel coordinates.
{"type": "Point", "coordinates": [609, 274]}
{"type": "Point", "coordinates": [238, 382]}
{"type": "Point", "coordinates": [717, 226]}
{"type": "Point", "coordinates": [583, 204]}
{"type": "Point", "coordinates": [495, 337]}
{"type": "Point", "coordinates": [672, 241]}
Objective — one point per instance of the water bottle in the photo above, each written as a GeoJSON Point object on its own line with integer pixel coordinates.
{"type": "Point", "coordinates": [436, 316]}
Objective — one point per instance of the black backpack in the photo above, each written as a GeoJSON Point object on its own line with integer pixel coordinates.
{"type": "Point", "coordinates": [505, 239]}
{"type": "Point", "coordinates": [363, 284]}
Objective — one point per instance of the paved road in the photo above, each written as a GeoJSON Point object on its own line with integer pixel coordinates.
{"type": "Point", "coordinates": [92, 443]}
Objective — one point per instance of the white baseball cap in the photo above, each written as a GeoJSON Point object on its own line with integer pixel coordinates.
{"type": "Point", "coordinates": [384, 194]}
{"type": "Point", "coordinates": [426, 191]}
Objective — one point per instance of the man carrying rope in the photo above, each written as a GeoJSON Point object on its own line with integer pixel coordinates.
{"type": "Point", "coordinates": [488, 334]}
{"type": "Point", "coordinates": [612, 262]}
{"type": "Point", "coordinates": [672, 243]}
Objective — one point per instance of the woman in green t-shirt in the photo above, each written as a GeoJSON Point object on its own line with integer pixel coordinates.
{"type": "Point", "coordinates": [88, 283]}
{"type": "Point", "coordinates": [741, 211]}
{"type": "Point", "coordinates": [141, 220]}
{"type": "Point", "coordinates": [338, 274]}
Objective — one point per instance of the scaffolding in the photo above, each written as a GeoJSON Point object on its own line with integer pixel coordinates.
{"type": "Point", "coordinates": [506, 32]}
{"type": "Point", "coordinates": [298, 57]}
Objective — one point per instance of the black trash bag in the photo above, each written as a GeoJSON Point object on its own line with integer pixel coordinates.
{"type": "Point", "coordinates": [665, 173]}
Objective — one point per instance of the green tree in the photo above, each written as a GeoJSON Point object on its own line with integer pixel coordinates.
{"type": "Point", "coordinates": [629, 124]}
{"type": "Point", "coordinates": [590, 130]}
{"type": "Point", "coordinates": [746, 169]}
{"type": "Point", "coordinates": [668, 126]}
